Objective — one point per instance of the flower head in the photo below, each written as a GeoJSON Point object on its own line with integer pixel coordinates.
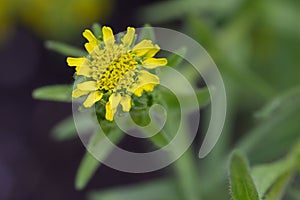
{"type": "Point", "coordinates": [115, 71]}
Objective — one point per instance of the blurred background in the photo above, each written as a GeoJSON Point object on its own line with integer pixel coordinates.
{"type": "Point", "coordinates": [255, 44]}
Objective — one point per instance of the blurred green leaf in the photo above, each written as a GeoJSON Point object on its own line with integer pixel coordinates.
{"type": "Point", "coordinates": [97, 30]}
{"type": "Point", "coordinates": [280, 131]}
{"type": "Point", "coordinates": [266, 175]}
{"type": "Point", "coordinates": [65, 49]}
{"type": "Point", "coordinates": [176, 58]}
{"type": "Point", "coordinates": [88, 166]}
{"type": "Point", "coordinates": [202, 94]}
{"type": "Point", "coordinates": [293, 193]}
{"type": "Point", "coordinates": [156, 190]}
{"type": "Point", "coordinates": [66, 129]}
{"type": "Point", "coordinates": [289, 97]}
{"type": "Point", "coordinates": [242, 185]}
{"type": "Point", "coordinates": [54, 93]}
{"type": "Point", "coordinates": [177, 9]}
{"type": "Point", "coordinates": [282, 17]}
{"type": "Point", "coordinates": [87, 169]}
{"type": "Point", "coordinates": [277, 190]}
{"type": "Point", "coordinates": [160, 139]}
{"type": "Point", "coordinates": [164, 11]}
{"type": "Point", "coordinates": [147, 33]}
{"type": "Point", "coordinates": [89, 163]}
{"type": "Point", "coordinates": [187, 176]}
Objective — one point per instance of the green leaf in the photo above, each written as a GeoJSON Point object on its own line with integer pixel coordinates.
{"type": "Point", "coordinates": [97, 30]}
{"type": "Point", "coordinates": [160, 139]}
{"type": "Point", "coordinates": [164, 11]}
{"type": "Point", "coordinates": [289, 97]}
{"type": "Point", "coordinates": [187, 176]}
{"type": "Point", "coordinates": [280, 131]}
{"type": "Point", "coordinates": [89, 163]}
{"type": "Point", "coordinates": [54, 93]}
{"type": "Point", "coordinates": [266, 175]}
{"type": "Point", "coordinates": [202, 94]}
{"type": "Point", "coordinates": [242, 185]}
{"type": "Point", "coordinates": [175, 59]}
{"type": "Point", "coordinates": [66, 129]}
{"type": "Point", "coordinates": [147, 33]}
{"type": "Point", "coordinates": [157, 190]}
{"type": "Point", "coordinates": [293, 193]}
{"type": "Point", "coordinates": [277, 190]}
{"type": "Point", "coordinates": [87, 169]}
{"type": "Point", "coordinates": [170, 103]}
{"type": "Point", "coordinates": [65, 49]}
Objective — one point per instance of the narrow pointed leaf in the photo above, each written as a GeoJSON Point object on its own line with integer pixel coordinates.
{"type": "Point", "coordinates": [97, 30]}
{"type": "Point", "coordinates": [175, 59]}
{"type": "Point", "coordinates": [147, 33]}
{"type": "Point", "coordinates": [277, 190]}
{"type": "Point", "coordinates": [66, 129]}
{"type": "Point", "coordinates": [65, 49]}
{"type": "Point", "coordinates": [54, 93]}
{"type": "Point", "coordinates": [89, 163]}
{"type": "Point", "coordinates": [157, 190]}
{"type": "Point", "coordinates": [242, 185]}
{"type": "Point", "coordinates": [266, 175]}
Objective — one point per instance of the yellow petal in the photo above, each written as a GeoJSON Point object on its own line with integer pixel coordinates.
{"type": "Point", "coordinates": [152, 51]}
{"type": "Point", "coordinates": [90, 36]}
{"type": "Point", "coordinates": [90, 47]}
{"type": "Point", "coordinates": [126, 103]}
{"type": "Point", "coordinates": [143, 47]}
{"type": "Point", "coordinates": [137, 91]}
{"type": "Point", "coordinates": [109, 114]}
{"type": "Point", "coordinates": [114, 100]}
{"type": "Point", "coordinates": [151, 63]}
{"type": "Point", "coordinates": [112, 106]}
{"type": "Point", "coordinates": [128, 38]}
{"type": "Point", "coordinates": [87, 86]}
{"type": "Point", "coordinates": [78, 93]}
{"type": "Point", "coordinates": [72, 62]}
{"type": "Point", "coordinates": [108, 36]}
{"type": "Point", "coordinates": [92, 98]}
{"type": "Point", "coordinates": [145, 87]}
{"type": "Point", "coordinates": [146, 82]}
{"type": "Point", "coordinates": [84, 71]}
{"type": "Point", "coordinates": [147, 77]}
{"type": "Point", "coordinates": [93, 41]}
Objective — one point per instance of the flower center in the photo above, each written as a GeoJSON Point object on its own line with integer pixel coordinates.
{"type": "Point", "coordinates": [113, 68]}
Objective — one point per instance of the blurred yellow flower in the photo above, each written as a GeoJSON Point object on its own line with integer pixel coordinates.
{"type": "Point", "coordinates": [60, 19]}
{"type": "Point", "coordinates": [115, 70]}
{"type": "Point", "coordinates": [7, 18]}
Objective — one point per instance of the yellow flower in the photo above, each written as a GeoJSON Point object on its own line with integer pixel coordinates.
{"type": "Point", "coordinates": [115, 71]}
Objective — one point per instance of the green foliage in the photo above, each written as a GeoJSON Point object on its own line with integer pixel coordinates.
{"type": "Point", "coordinates": [156, 190]}
{"type": "Point", "coordinates": [278, 188]}
{"type": "Point", "coordinates": [89, 163]}
{"type": "Point", "coordinates": [54, 93]}
{"type": "Point", "coordinates": [176, 59]}
{"type": "Point", "coordinates": [97, 30]}
{"type": "Point", "coordinates": [266, 175]}
{"type": "Point", "coordinates": [64, 130]}
{"type": "Point", "coordinates": [242, 185]}
{"type": "Point", "coordinates": [64, 49]}
{"type": "Point", "coordinates": [147, 33]}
